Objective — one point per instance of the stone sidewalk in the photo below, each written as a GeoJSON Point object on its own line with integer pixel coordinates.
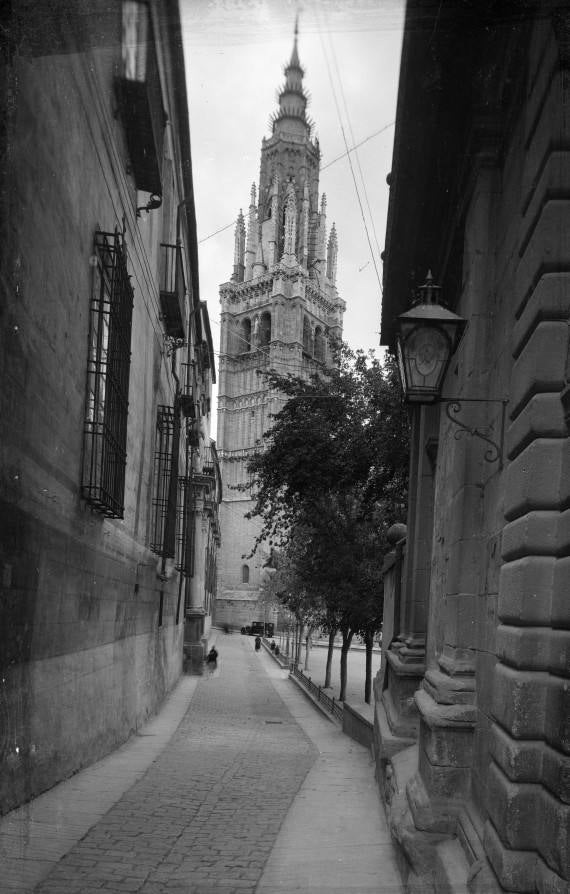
{"type": "Point", "coordinates": [239, 785]}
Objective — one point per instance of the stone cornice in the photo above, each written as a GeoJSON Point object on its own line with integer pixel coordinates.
{"type": "Point", "coordinates": [263, 286]}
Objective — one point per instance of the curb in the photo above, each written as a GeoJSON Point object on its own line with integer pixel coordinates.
{"type": "Point", "coordinates": [313, 700]}
{"type": "Point", "coordinates": [284, 665]}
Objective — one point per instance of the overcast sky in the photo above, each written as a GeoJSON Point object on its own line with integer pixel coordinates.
{"type": "Point", "coordinates": [350, 50]}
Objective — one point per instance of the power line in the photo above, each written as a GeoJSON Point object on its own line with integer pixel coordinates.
{"type": "Point", "coordinates": [358, 145]}
{"type": "Point", "coordinates": [356, 155]}
{"type": "Point", "coordinates": [350, 161]}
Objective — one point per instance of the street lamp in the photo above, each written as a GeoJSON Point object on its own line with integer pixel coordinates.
{"type": "Point", "coordinates": [427, 336]}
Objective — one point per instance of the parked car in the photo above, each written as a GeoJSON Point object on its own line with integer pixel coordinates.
{"type": "Point", "coordinates": [259, 628]}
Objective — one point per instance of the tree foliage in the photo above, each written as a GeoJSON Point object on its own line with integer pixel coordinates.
{"type": "Point", "coordinates": [328, 481]}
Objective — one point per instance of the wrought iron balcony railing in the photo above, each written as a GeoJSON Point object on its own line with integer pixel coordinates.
{"type": "Point", "coordinates": [208, 465]}
{"type": "Point", "coordinates": [172, 290]}
{"type": "Point", "coordinates": [188, 390]}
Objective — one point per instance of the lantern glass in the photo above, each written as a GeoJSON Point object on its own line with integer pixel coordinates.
{"type": "Point", "coordinates": [423, 355]}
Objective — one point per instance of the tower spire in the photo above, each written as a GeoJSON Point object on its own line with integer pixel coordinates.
{"type": "Point", "coordinates": [295, 54]}
{"type": "Point", "coordinates": [292, 97]}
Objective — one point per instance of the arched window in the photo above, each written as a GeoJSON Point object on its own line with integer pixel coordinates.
{"type": "Point", "coordinates": [319, 345]}
{"type": "Point", "coordinates": [245, 336]}
{"type": "Point", "coordinates": [265, 329]}
{"type": "Point", "coordinates": [307, 340]}
{"type": "Point", "coordinates": [245, 574]}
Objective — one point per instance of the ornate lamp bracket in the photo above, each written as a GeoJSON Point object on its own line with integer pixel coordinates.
{"type": "Point", "coordinates": [454, 406]}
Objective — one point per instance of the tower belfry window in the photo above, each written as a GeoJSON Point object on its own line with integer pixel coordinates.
{"type": "Point", "coordinates": [245, 336]}
{"type": "Point", "coordinates": [307, 340]}
{"type": "Point", "coordinates": [265, 330]}
{"type": "Point", "coordinates": [319, 345]}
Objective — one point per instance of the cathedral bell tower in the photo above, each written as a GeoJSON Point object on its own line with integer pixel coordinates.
{"type": "Point", "coordinates": [280, 310]}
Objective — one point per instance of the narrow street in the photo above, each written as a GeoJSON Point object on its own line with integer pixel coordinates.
{"type": "Point", "coordinates": [239, 785]}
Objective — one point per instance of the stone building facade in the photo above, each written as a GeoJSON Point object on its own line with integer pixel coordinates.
{"type": "Point", "coordinates": [107, 367]}
{"type": "Point", "coordinates": [472, 725]}
{"type": "Point", "coordinates": [280, 310]}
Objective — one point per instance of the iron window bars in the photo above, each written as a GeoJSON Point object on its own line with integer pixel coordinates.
{"type": "Point", "coordinates": [165, 483]}
{"type": "Point", "coordinates": [185, 525]}
{"type": "Point", "coordinates": [108, 367]}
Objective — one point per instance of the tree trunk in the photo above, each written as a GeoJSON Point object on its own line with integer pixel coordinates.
{"type": "Point", "coordinates": [330, 653]}
{"type": "Point", "coordinates": [369, 643]}
{"type": "Point", "coordinates": [308, 644]}
{"type": "Point", "coordinates": [299, 642]}
{"type": "Point", "coordinates": [346, 641]}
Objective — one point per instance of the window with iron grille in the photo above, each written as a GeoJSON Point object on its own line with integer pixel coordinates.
{"type": "Point", "coordinates": [108, 368]}
{"type": "Point", "coordinates": [185, 525]}
{"type": "Point", "coordinates": [162, 540]}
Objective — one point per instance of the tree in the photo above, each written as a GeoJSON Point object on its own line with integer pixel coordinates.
{"type": "Point", "coordinates": [330, 479]}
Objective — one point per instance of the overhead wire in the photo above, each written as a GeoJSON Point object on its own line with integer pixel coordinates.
{"type": "Point", "coordinates": [358, 145]}
{"type": "Point", "coordinates": [341, 125]}
{"type": "Point", "coordinates": [356, 154]}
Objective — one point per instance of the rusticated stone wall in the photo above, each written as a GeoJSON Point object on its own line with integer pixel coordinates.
{"type": "Point", "coordinates": [526, 835]}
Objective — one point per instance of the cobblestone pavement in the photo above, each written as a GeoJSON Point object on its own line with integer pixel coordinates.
{"type": "Point", "coordinates": [205, 816]}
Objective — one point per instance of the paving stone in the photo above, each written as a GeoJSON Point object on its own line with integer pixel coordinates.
{"type": "Point", "coordinates": [206, 814]}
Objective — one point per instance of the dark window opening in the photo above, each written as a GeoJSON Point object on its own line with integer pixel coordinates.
{"type": "Point", "coordinates": [245, 574]}
{"type": "Point", "coordinates": [108, 368]}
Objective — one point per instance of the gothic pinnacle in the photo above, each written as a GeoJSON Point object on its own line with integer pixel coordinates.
{"type": "Point", "coordinates": [239, 248]}
{"type": "Point", "coordinates": [332, 254]}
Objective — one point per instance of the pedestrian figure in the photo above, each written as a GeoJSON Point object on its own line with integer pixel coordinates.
{"type": "Point", "coordinates": [273, 645]}
{"type": "Point", "coordinates": [212, 660]}
{"type": "Point", "coordinates": [276, 650]}
{"type": "Point", "coordinates": [257, 643]}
